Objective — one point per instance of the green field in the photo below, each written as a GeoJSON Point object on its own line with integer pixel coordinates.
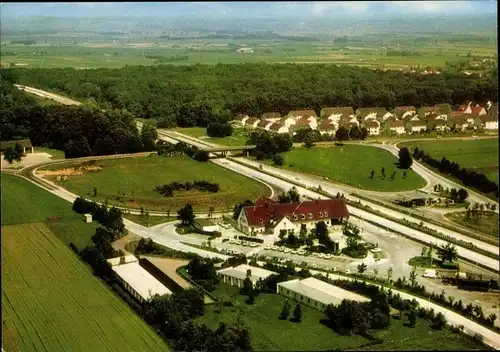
{"type": "Point", "coordinates": [24, 202]}
{"type": "Point", "coordinates": [351, 164]}
{"type": "Point", "coordinates": [52, 302]}
{"type": "Point", "coordinates": [239, 136]}
{"type": "Point", "coordinates": [56, 154]}
{"type": "Point", "coordinates": [268, 333]}
{"type": "Point", "coordinates": [480, 155]}
{"type": "Point", "coordinates": [153, 220]}
{"type": "Point", "coordinates": [141, 175]}
{"type": "Point", "coordinates": [116, 53]}
{"type": "Point", "coordinates": [487, 224]}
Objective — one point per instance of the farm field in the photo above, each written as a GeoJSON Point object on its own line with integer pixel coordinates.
{"type": "Point", "coordinates": [153, 220]}
{"type": "Point", "coordinates": [488, 224]}
{"type": "Point", "coordinates": [142, 175]}
{"type": "Point", "coordinates": [108, 52]}
{"type": "Point", "coordinates": [52, 301]}
{"type": "Point", "coordinates": [351, 164]}
{"type": "Point", "coordinates": [480, 155]}
{"type": "Point", "coordinates": [24, 202]}
{"type": "Point", "coordinates": [268, 333]}
{"type": "Point", "coordinates": [239, 136]}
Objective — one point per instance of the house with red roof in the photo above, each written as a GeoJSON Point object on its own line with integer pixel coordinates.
{"type": "Point", "coordinates": [478, 111]}
{"type": "Point", "coordinates": [270, 217]}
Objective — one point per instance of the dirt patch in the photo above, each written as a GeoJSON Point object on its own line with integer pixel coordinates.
{"type": "Point", "coordinates": [169, 267]}
{"type": "Point", "coordinates": [120, 244]}
{"type": "Point", "coordinates": [74, 171]}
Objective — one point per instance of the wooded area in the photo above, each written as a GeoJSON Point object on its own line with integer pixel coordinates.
{"type": "Point", "coordinates": [200, 94]}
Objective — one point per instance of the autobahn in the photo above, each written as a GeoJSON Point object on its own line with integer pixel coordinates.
{"type": "Point", "coordinates": [283, 183]}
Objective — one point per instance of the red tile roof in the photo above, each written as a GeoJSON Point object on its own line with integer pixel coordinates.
{"type": "Point", "coordinates": [266, 213]}
{"type": "Point", "coordinates": [476, 110]}
{"type": "Point", "coordinates": [397, 123]}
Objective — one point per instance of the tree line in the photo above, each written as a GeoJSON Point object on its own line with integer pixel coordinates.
{"type": "Point", "coordinates": [79, 131]}
{"type": "Point", "coordinates": [468, 177]}
{"type": "Point", "coordinates": [198, 95]}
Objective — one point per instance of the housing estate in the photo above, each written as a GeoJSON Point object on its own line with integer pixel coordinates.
{"type": "Point", "coordinates": [236, 275]}
{"type": "Point", "coordinates": [135, 279]}
{"type": "Point", "coordinates": [270, 217]}
{"type": "Point", "coordinates": [316, 293]}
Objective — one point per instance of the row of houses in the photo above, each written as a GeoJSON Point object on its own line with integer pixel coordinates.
{"type": "Point", "coordinates": [312, 292]}
{"type": "Point", "coordinates": [402, 119]}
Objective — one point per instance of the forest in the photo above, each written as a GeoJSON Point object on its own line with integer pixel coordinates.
{"type": "Point", "coordinates": [198, 95]}
{"type": "Point", "coordinates": [79, 131]}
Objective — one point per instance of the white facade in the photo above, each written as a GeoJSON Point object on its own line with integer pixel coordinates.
{"type": "Point", "coordinates": [316, 293]}
{"type": "Point", "coordinates": [374, 131]}
{"type": "Point", "coordinates": [491, 125]}
{"type": "Point", "coordinates": [397, 129]}
{"type": "Point", "coordinates": [236, 275]}
{"type": "Point", "coordinates": [137, 280]}
{"type": "Point", "coordinates": [243, 120]}
{"type": "Point", "coordinates": [419, 128]}
{"type": "Point", "coordinates": [88, 218]}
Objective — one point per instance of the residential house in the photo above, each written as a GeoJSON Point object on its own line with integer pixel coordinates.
{"type": "Point", "coordinates": [458, 123]}
{"type": "Point", "coordinates": [327, 127]}
{"type": "Point", "coordinates": [335, 114]}
{"type": "Point", "coordinates": [264, 124]}
{"type": "Point", "coordinates": [396, 126]}
{"type": "Point", "coordinates": [490, 120]}
{"type": "Point", "coordinates": [438, 125]}
{"type": "Point", "coordinates": [271, 116]}
{"type": "Point", "coordinates": [270, 217]}
{"type": "Point", "coordinates": [478, 111]}
{"type": "Point", "coordinates": [236, 275]}
{"type": "Point", "coordinates": [425, 111]}
{"type": "Point", "coordinates": [302, 114]}
{"type": "Point", "coordinates": [303, 124]}
{"type": "Point", "coordinates": [416, 126]}
{"type": "Point", "coordinates": [380, 114]}
{"type": "Point", "coordinates": [278, 127]}
{"type": "Point", "coordinates": [252, 122]}
{"type": "Point", "coordinates": [316, 293]}
{"type": "Point", "coordinates": [288, 121]}
{"type": "Point", "coordinates": [240, 118]}
{"type": "Point", "coordinates": [465, 108]}
{"type": "Point", "coordinates": [402, 112]}
{"type": "Point", "coordinates": [373, 127]}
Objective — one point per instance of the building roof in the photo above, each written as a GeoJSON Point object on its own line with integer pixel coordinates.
{"type": "Point", "coordinates": [240, 117]}
{"type": "Point", "coordinates": [240, 272]}
{"type": "Point", "coordinates": [372, 124]}
{"type": "Point", "coordinates": [251, 120]}
{"type": "Point", "coordinates": [362, 112]}
{"type": "Point", "coordinates": [405, 108]}
{"type": "Point", "coordinates": [492, 115]}
{"type": "Point", "coordinates": [443, 108]}
{"type": "Point", "coordinates": [327, 125]}
{"type": "Point", "coordinates": [141, 281]}
{"type": "Point", "coordinates": [418, 123]}
{"type": "Point", "coordinates": [395, 123]}
{"type": "Point", "coordinates": [345, 110]}
{"type": "Point", "coordinates": [459, 120]}
{"type": "Point", "coordinates": [476, 110]}
{"type": "Point", "coordinates": [124, 259]}
{"type": "Point", "coordinates": [271, 115]}
{"type": "Point", "coordinates": [263, 123]}
{"type": "Point", "coordinates": [276, 126]}
{"type": "Point", "coordinates": [204, 222]}
{"type": "Point", "coordinates": [428, 109]}
{"type": "Point", "coordinates": [306, 113]}
{"type": "Point", "coordinates": [271, 213]}
{"type": "Point", "coordinates": [25, 143]}
{"type": "Point", "coordinates": [321, 291]}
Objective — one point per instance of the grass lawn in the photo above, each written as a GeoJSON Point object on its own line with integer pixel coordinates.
{"type": "Point", "coordinates": [52, 302]}
{"type": "Point", "coordinates": [480, 155]}
{"type": "Point", "coordinates": [268, 333]}
{"type": "Point", "coordinates": [239, 136]}
{"type": "Point", "coordinates": [56, 154]}
{"type": "Point", "coordinates": [488, 224]}
{"type": "Point", "coordinates": [153, 220]}
{"type": "Point", "coordinates": [141, 175]}
{"type": "Point", "coordinates": [24, 202]}
{"type": "Point", "coordinates": [351, 164]}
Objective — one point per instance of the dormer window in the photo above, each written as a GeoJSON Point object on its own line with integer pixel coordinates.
{"type": "Point", "coordinates": [295, 217]}
{"type": "Point", "coordinates": [320, 214]}
{"type": "Point", "coordinates": [303, 216]}
{"type": "Point", "coordinates": [326, 214]}
{"type": "Point", "coordinates": [261, 221]}
{"type": "Point", "coordinates": [310, 215]}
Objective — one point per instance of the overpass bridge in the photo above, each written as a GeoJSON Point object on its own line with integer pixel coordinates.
{"type": "Point", "coordinates": [225, 150]}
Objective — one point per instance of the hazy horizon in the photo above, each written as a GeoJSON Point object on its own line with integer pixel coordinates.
{"type": "Point", "coordinates": [232, 10]}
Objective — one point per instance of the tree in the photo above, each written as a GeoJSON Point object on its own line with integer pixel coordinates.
{"type": "Point", "coordinates": [292, 196]}
{"type": "Point", "coordinates": [148, 137]}
{"type": "Point", "coordinates": [412, 317]}
{"type": "Point", "coordinates": [362, 268]}
{"type": "Point", "coordinates": [13, 153]}
{"type": "Point", "coordinates": [393, 175]}
{"type": "Point", "coordinates": [278, 160]}
{"type": "Point", "coordinates": [342, 134]}
{"type": "Point", "coordinates": [308, 141]}
{"type": "Point", "coordinates": [297, 313]}
{"type": "Point", "coordinates": [375, 272]}
{"type": "Point", "coordinates": [94, 192]}
{"type": "Point", "coordinates": [285, 312]}
{"type": "Point", "coordinates": [186, 214]}
{"type": "Point", "coordinates": [439, 321]}
{"type": "Point", "coordinates": [238, 207]}
{"type": "Point", "coordinates": [405, 159]}
{"type": "Point", "coordinates": [372, 173]}
{"type": "Point", "coordinates": [219, 129]}
{"type": "Point", "coordinates": [413, 277]}
{"type": "Point", "coordinates": [405, 174]}
{"type": "Point", "coordinates": [447, 253]}
{"type": "Point", "coordinates": [424, 251]}
{"type": "Point", "coordinates": [462, 194]}
{"type": "Point", "coordinates": [389, 274]}
{"type": "Point", "coordinates": [382, 171]}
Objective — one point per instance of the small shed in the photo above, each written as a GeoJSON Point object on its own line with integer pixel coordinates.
{"type": "Point", "coordinates": [25, 143]}
{"type": "Point", "coordinates": [206, 225]}
{"type": "Point", "coordinates": [88, 218]}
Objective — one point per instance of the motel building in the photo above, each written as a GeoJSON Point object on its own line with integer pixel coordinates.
{"type": "Point", "coordinates": [315, 293]}
{"type": "Point", "coordinates": [235, 276]}
{"type": "Point", "coordinates": [268, 217]}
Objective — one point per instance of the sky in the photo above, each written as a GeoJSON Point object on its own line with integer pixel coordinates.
{"type": "Point", "coordinates": [282, 9]}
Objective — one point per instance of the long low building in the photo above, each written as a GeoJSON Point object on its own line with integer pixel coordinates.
{"type": "Point", "coordinates": [236, 275]}
{"type": "Point", "coordinates": [315, 293]}
{"type": "Point", "coordinates": [137, 280]}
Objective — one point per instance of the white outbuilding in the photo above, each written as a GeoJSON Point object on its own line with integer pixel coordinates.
{"type": "Point", "coordinates": [88, 218]}
{"type": "Point", "coordinates": [236, 275]}
{"type": "Point", "coordinates": [316, 293]}
{"type": "Point", "coordinates": [137, 280]}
